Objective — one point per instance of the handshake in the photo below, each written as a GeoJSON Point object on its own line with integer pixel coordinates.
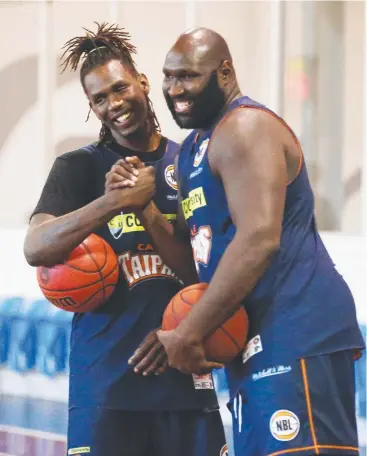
{"type": "Point", "coordinates": [131, 183]}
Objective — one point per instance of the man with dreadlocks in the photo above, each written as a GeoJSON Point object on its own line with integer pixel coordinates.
{"type": "Point", "coordinates": [112, 410]}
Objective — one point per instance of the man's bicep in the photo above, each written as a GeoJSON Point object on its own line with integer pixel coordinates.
{"type": "Point", "coordinates": [254, 173]}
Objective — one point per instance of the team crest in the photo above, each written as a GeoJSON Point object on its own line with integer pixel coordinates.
{"type": "Point", "coordinates": [170, 176]}
{"type": "Point", "coordinates": [201, 152]}
{"type": "Point", "coordinates": [201, 242]}
{"type": "Point", "coordinates": [116, 226]}
{"type": "Point", "coordinates": [224, 451]}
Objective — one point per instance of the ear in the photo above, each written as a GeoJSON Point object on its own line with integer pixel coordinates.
{"type": "Point", "coordinates": [226, 71]}
{"type": "Point", "coordinates": [144, 83]}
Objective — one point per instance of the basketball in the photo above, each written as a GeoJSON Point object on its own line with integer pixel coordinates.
{"type": "Point", "coordinates": [85, 280]}
{"type": "Point", "coordinates": [226, 342]}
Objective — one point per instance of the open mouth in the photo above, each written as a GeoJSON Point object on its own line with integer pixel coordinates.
{"type": "Point", "coordinates": [182, 107]}
{"type": "Point", "coordinates": [122, 119]}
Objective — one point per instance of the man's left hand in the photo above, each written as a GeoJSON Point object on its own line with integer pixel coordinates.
{"type": "Point", "coordinates": [185, 355]}
{"type": "Point", "coordinates": [149, 357]}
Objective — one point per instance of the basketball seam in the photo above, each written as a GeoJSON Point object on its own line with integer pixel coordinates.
{"type": "Point", "coordinates": [82, 286]}
{"type": "Point", "coordinates": [220, 327]}
{"type": "Point", "coordinates": [182, 294]}
{"type": "Point", "coordinates": [98, 291]}
{"type": "Point", "coordinates": [90, 297]}
{"type": "Point", "coordinates": [231, 337]}
{"type": "Point", "coordinates": [174, 315]}
{"type": "Point", "coordinates": [79, 269]}
{"type": "Point", "coordinates": [99, 270]}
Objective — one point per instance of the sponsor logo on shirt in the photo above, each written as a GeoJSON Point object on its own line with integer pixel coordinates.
{"type": "Point", "coordinates": [129, 223]}
{"type": "Point", "coordinates": [195, 200]}
{"type": "Point", "coordinates": [138, 267]}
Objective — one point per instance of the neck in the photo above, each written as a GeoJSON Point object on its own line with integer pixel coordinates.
{"type": "Point", "coordinates": [140, 141]}
{"type": "Point", "coordinates": [232, 95]}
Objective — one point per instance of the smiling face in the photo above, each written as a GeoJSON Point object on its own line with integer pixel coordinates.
{"type": "Point", "coordinates": [118, 97]}
{"type": "Point", "coordinates": [192, 90]}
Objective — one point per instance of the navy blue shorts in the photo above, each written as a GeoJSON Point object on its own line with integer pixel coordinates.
{"type": "Point", "coordinates": [304, 407]}
{"type": "Point", "coordinates": [106, 432]}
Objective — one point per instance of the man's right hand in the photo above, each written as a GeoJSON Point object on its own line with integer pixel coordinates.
{"type": "Point", "coordinates": [131, 181]}
{"type": "Point", "coordinates": [124, 173]}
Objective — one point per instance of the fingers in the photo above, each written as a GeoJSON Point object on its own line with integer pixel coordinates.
{"type": "Point", "coordinates": [122, 174]}
{"type": "Point", "coordinates": [207, 366]}
{"type": "Point", "coordinates": [153, 363]}
{"type": "Point", "coordinates": [143, 349]}
{"type": "Point", "coordinates": [149, 359]}
{"type": "Point", "coordinates": [192, 361]}
{"type": "Point", "coordinates": [125, 174]}
{"type": "Point", "coordinates": [119, 173]}
{"type": "Point", "coordinates": [128, 164]}
{"type": "Point", "coordinates": [147, 171]}
{"type": "Point", "coordinates": [135, 162]}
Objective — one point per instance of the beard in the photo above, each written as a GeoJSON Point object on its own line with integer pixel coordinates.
{"type": "Point", "coordinates": [205, 109]}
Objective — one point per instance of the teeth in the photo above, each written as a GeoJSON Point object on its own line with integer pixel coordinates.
{"type": "Point", "coordinates": [182, 105]}
{"type": "Point", "coordinates": [123, 117]}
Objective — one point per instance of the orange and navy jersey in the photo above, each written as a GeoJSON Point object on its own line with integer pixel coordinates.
{"type": "Point", "coordinates": [301, 305]}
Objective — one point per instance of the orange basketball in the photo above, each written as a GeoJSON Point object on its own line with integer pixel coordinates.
{"type": "Point", "coordinates": [226, 342]}
{"type": "Point", "coordinates": [85, 280]}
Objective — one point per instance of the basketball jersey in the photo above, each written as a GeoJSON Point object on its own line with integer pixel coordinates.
{"type": "Point", "coordinates": [102, 341]}
{"type": "Point", "coordinates": [301, 305]}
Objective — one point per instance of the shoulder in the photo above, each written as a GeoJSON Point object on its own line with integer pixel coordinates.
{"type": "Point", "coordinates": [244, 130]}
{"type": "Point", "coordinates": [248, 132]}
{"type": "Point", "coordinates": [189, 138]}
{"type": "Point", "coordinates": [249, 123]}
{"type": "Point", "coordinates": [78, 160]}
{"type": "Point", "coordinates": [82, 155]}
{"type": "Point", "coordinates": [172, 150]}
{"type": "Point", "coordinates": [172, 145]}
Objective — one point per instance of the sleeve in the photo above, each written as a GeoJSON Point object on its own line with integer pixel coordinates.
{"type": "Point", "coordinates": [69, 185]}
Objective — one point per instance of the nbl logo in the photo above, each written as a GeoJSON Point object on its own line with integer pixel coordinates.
{"type": "Point", "coordinates": [284, 425]}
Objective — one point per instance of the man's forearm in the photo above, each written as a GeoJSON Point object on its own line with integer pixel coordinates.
{"type": "Point", "coordinates": [239, 270]}
{"type": "Point", "coordinates": [51, 242]}
{"type": "Point", "coordinates": [177, 254]}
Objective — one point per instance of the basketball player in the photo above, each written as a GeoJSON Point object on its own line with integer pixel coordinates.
{"type": "Point", "coordinates": [246, 196]}
{"type": "Point", "coordinates": [112, 410]}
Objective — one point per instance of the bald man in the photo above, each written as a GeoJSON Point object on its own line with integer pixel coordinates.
{"type": "Point", "coordinates": [247, 220]}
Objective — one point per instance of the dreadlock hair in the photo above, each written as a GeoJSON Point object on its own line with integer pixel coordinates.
{"type": "Point", "coordinates": [108, 43]}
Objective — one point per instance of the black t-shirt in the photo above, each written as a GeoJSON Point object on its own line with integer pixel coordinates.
{"type": "Point", "coordinates": [71, 183]}
{"type": "Point", "coordinates": [102, 341]}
